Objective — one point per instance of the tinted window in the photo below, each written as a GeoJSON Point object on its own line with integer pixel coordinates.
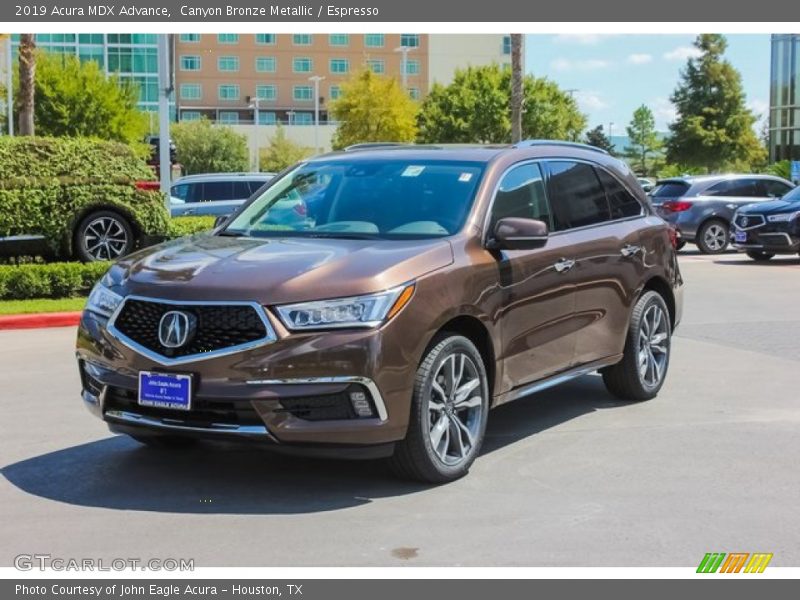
{"type": "Point", "coordinates": [521, 194]}
{"type": "Point", "coordinates": [180, 191]}
{"type": "Point", "coordinates": [621, 201]}
{"type": "Point", "coordinates": [218, 190]}
{"type": "Point", "coordinates": [241, 190]}
{"type": "Point", "coordinates": [773, 189]}
{"type": "Point", "coordinates": [576, 196]}
{"type": "Point", "coordinates": [735, 187]}
{"type": "Point", "coordinates": [670, 189]}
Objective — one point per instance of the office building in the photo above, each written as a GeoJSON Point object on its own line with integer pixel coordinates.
{"type": "Point", "coordinates": [784, 103]}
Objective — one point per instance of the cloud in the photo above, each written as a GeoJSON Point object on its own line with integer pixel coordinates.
{"type": "Point", "coordinates": [590, 100]}
{"type": "Point", "coordinates": [640, 59]}
{"type": "Point", "coordinates": [663, 110]}
{"type": "Point", "coordinates": [759, 107]}
{"type": "Point", "coordinates": [682, 53]}
{"type": "Point", "coordinates": [584, 39]}
{"type": "Point", "coordinates": [565, 64]}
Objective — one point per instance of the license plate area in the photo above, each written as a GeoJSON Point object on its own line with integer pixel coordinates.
{"type": "Point", "coordinates": [165, 390]}
{"type": "Point", "coordinates": [740, 237]}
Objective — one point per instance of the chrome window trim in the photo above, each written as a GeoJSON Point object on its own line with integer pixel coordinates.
{"type": "Point", "coordinates": [763, 222]}
{"type": "Point", "coordinates": [133, 418]}
{"type": "Point", "coordinates": [164, 360]}
{"type": "Point", "coordinates": [368, 383]}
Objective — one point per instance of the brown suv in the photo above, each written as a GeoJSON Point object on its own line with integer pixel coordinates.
{"type": "Point", "coordinates": [421, 287]}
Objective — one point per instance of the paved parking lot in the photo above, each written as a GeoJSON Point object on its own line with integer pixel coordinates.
{"type": "Point", "coordinates": [568, 477]}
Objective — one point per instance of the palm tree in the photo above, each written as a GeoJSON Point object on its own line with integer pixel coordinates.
{"type": "Point", "coordinates": [27, 75]}
{"type": "Point", "coordinates": [516, 87]}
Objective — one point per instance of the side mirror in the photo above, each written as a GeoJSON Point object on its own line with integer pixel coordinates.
{"type": "Point", "coordinates": [221, 220]}
{"type": "Point", "coordinates": [514, 233]}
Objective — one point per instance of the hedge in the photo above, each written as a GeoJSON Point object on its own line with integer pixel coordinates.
{"type": "Point", "coordinates": [180, 226]}
{"type": "Point", "coordinates": [49, 280]}
{"type": "Point", "coordinates": [47, 184]}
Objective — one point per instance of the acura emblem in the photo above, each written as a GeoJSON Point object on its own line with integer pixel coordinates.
{"type": "Point", "coordinates": [175, 328]}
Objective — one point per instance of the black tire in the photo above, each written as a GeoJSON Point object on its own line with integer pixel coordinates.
{"type": "Point", "coordinates": [163, 441]}
{"type": "Point", "coordinates": [625, 379]}
{"type": "Point", "coordinates": [89, 243]}
{"type": "Point", "coordinates": [760, 256]}
{"type": "Point", "coordinates": [415, 457]}
{"type": "Point", "coordinates": [713, 237]}
{"type": "Point", "coordinates": [680, 245]}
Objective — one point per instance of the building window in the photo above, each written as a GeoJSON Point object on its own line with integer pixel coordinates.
{"type": "Point", "coordinates": [90, 38]}
{"type": "Point", "coordinates": [266, 117]}
{"type": "Point", "coordinates": [228, 117]}
{"type": "Point", "coordinates": [303, 118]}
{"type": "Point", "coordinates": [190, 91]}
{"type": "Point", "coordinates": [190, 38]}
{"type": "Point", "coordinates": [303, 93]}
{"type": "Point", "coordinates": [228, 38]}
{"type": "Point", "coordinates": [409, 40]}
{"type": "Point", "coordinates": [373, 40]}
{"type": "Point", "coordinates": [506, 44]}
{"type": "Point", "coordinates": [228, 91]}
{"type": "Point", "coordinates": [190, 63]}
{"type": "Point", "coordinates": [412, 67]}
{"type": "Point", "coordinates": [339, 39]}
{"type": "Point", "coordinates": [123, 59]}
{"type": "Point", "coordinates": [302, 65]}
{"type": "Point", "coordinates": [190, 115]}
{"type": "Point", "coordinates": [228, 63]}
{"type": "Point", "coordinates": [129, 38]}
{"type": "Point", "coordinates": [265, 39]}
{"type": "Point", "coordinates": [376, 66]}
{"type": "Point", "coordinates": [301, 39]}
{"type": "Point", "coordinates": [340, 65]}
{"type": "Point", "coordinates": [267, 92]}
{"type": "Point", "coordinates": [414, 93]}
{"type": "Point", "coordinates": [265, 64]}
{"type": "Point", "coordinates": [335, 92]}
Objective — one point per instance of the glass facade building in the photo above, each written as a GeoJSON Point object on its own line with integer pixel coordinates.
{"type": "Point", "coordinates": [784, 109]}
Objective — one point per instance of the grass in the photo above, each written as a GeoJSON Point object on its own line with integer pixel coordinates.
{"type": "Point", "coordinates": [41, 305]}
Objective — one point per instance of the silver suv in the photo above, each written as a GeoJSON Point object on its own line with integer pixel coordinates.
{"type": "Point", "coordinates": [217, 194]}
{"type": "Point", "coordinates": [702, 207]}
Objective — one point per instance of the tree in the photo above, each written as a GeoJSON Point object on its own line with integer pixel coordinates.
{"type": "Point", "coordinates": [373, 108]}
{"type": "Point", "coordinates": [203, 148]}
{"type": "Point", "coordinates": [282, 152]}
{"type": "Point", "coordinates": [714, 128]}
{"type": "Point", "coordinates": [645, 143]}
{"type": "Point", "coordinates": [75, 98]}
{"type": "Point", "coordinates": [476, 108]}
{"type": "Point", "coordinates": [596, 137]}
{"type": "Point", "coordinates": [516, 87]}
{"type": "Point", "coordinates": [27, 78]}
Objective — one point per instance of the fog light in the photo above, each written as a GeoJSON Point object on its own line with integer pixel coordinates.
{"type": "Point", "coordinates": [361, 404]}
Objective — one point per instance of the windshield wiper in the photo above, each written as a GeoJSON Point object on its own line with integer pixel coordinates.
{"type": "Point", "coordinates": [344, 235]}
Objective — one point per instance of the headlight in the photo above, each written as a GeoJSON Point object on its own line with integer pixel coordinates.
{"type": "Point", "coordinates": [103, 301]}
{"type": "Point", "coordinates": [357, 311]}
{"type": "Point", "coordinates": [783, 218]}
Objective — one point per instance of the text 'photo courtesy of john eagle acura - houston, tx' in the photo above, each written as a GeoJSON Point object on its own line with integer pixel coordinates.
{"type": "Point", "coordinates": [414, 289]}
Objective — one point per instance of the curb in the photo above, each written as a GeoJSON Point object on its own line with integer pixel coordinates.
{"type": "Point", "coordinates": [40, 320]}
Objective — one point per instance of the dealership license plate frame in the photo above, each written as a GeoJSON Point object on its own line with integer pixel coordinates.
{"type": "Point", "coordinates": [740, 237]}
{"type": "Point", "coordinates": [181, 397]}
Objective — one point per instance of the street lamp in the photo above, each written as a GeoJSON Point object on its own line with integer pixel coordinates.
{"type": "Point", "coordinates": [404, 63]}
{"type": "Point", "coordinates": [252, 102]}
{"type": "Point", "coordinates": [9, 86]}
{"type": "Point", "coordinates": [316, 79]}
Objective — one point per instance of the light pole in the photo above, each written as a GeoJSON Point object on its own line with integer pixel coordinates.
{"type": "Point", "coordinates": [253, 103]}
{"type": "Point", "coordinates": [9, 86]}
{"type": "Point", "coordinates": [404, 63]}
{"type": "Point", "coordinates": [610, 129]}
{"type": "Point", "coordinates": [165, 89]}
{"type": "Point", "coordinates": [316, 79]}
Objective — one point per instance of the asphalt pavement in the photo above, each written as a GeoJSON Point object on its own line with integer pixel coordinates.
{"type": "Point", "coordinates": [568, 477]}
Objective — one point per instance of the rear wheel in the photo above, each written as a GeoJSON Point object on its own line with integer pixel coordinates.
{"type": "Point", "coordinates": [448, 413]}
{"type": "Point", "coordinates": [103, 235]}
{"type": "Point", "coordinates": [643, 368]}
{"type": "Point", "coordinates": [760, 256]}
{"type": "Point", "coordinates": [712, 238]}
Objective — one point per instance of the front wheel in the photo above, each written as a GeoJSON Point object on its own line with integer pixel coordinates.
{"type": "Point", "coordinates": [448, 413]}
{"type": "Point", "coordinates": [643, 368]}
{"type": "Point", "coordinates": [760, 256]}
{"type": "Point", "coordinates": [713, 237]}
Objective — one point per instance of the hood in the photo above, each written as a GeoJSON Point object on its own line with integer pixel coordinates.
{"type": "Point", "coordinates": [771, 207]}
{"type": "Point", "coordinates": [276, 270]}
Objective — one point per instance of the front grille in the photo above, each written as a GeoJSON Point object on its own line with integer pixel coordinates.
{"type": "Point", "coordinates": [218, 327]}
{"type": "Point", "coordinates": [204, 412]}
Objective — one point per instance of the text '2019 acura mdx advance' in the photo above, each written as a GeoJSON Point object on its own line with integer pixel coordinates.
{"type": "Point", "coordinates": [426, 286]}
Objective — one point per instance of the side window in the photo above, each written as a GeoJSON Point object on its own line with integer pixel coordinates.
{"type": "Point", "coordinates": [241, 190]}
{"type": "Point", "coordinates": [521, 194]}
{"type": "Point", "coordinates": [180, 191]}
{"type": "Point", "coordinates": [621, 202]}
{"type": "Point", "coordinates": [576, 195]}
{"type": "Point", "coordinates": [746, 188]}
{"type": "Point", "coordinates": [194, 193]}
{"type": "Point", "coordinates": [773, 189]}
{"type": "Point", "coordinates": [217, 190]}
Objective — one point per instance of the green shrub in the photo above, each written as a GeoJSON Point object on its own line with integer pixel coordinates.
{"type": "Point", "coordinates": [181, 226]}
{"type": "Point", "coordinates": [50, 280]}
{"type": "Point", "coordinates": [48, 184]}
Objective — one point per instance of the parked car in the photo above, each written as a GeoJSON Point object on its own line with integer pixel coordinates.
{"type": "Point", "coordinates": [702, 207]}
{"type": "Point", "coordinates": [214, 193]}
{"type": "Point", "coordinates": [647, 184]}
{"type": "Point", "coordinates": [155, 151]}
{"type": "Point", "coordinates": [768, 228]}
{"type": "Point", "coordinates": [432, 285]}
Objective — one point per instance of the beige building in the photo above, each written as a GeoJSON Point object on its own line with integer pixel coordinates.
{"type": "Point", "coordinates": [217, 76]}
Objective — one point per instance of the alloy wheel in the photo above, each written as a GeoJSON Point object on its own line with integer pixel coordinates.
{"type": "Point", "coordinates": [105, 238]}
{"type": "Point", "coordinates": [715, 237]}
{"type": "Point", "coordinates": [653, 345]}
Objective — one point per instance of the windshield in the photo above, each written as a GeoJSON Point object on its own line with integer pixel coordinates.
{"type": "Point", "coordinates": [385, 199]}
{"type": "Point", "coordinates": [793, 195]}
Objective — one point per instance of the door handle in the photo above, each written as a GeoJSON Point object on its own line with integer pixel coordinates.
{"type": "Point", "coordinates": [630, 250]}
{"type": "Point", "coordinates": [564, 265]}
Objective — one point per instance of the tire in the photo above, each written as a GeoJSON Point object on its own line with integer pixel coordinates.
{"type": "Point", "coordinates": [713, 237]}
{"type": "Point", "coordinates": [164, 441]}
{"type": "Point", "coordinates": [760, 256]}
{"type": "Point", "coordinates": [442, 439]}
{"type": "Point", "coordinates": [103, 235]}
{"type": "Point", "coordinates": [680, 245]}
{"type": "Point", "coordinates": [643, 369]}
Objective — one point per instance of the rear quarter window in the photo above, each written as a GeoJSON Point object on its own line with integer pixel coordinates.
{"type": "Point", "coordinates": [670, 189]}
{"type": "Point", "coordinates": [621, 202]}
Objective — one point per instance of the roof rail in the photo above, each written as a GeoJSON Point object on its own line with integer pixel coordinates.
{"type": "Point", "coordinates": [374, 145]}
{"type": "Point", "coordinates": [529, 143]}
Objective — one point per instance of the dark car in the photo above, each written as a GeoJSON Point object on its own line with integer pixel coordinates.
{"type": "Point", "coordinates": [768, 228]}
{"type": "Point", "coordinates": [155, 151]}
{"type": "Point", "coordinates": [702, 207]}
{"type": "Point", "coordinates": [432, 284]}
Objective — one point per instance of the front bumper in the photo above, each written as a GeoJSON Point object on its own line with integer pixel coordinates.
{"type": "Point", "coordinates": [763, 236]}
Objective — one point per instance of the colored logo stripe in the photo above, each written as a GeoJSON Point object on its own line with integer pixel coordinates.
{"type": "Point", "coordinates": [735, 561]}
{"type": "Point", "coordinates": [758, 562]}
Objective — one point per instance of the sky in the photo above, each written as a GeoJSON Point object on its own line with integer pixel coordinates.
{"type": "Point", "coordinates": [614, 74]}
